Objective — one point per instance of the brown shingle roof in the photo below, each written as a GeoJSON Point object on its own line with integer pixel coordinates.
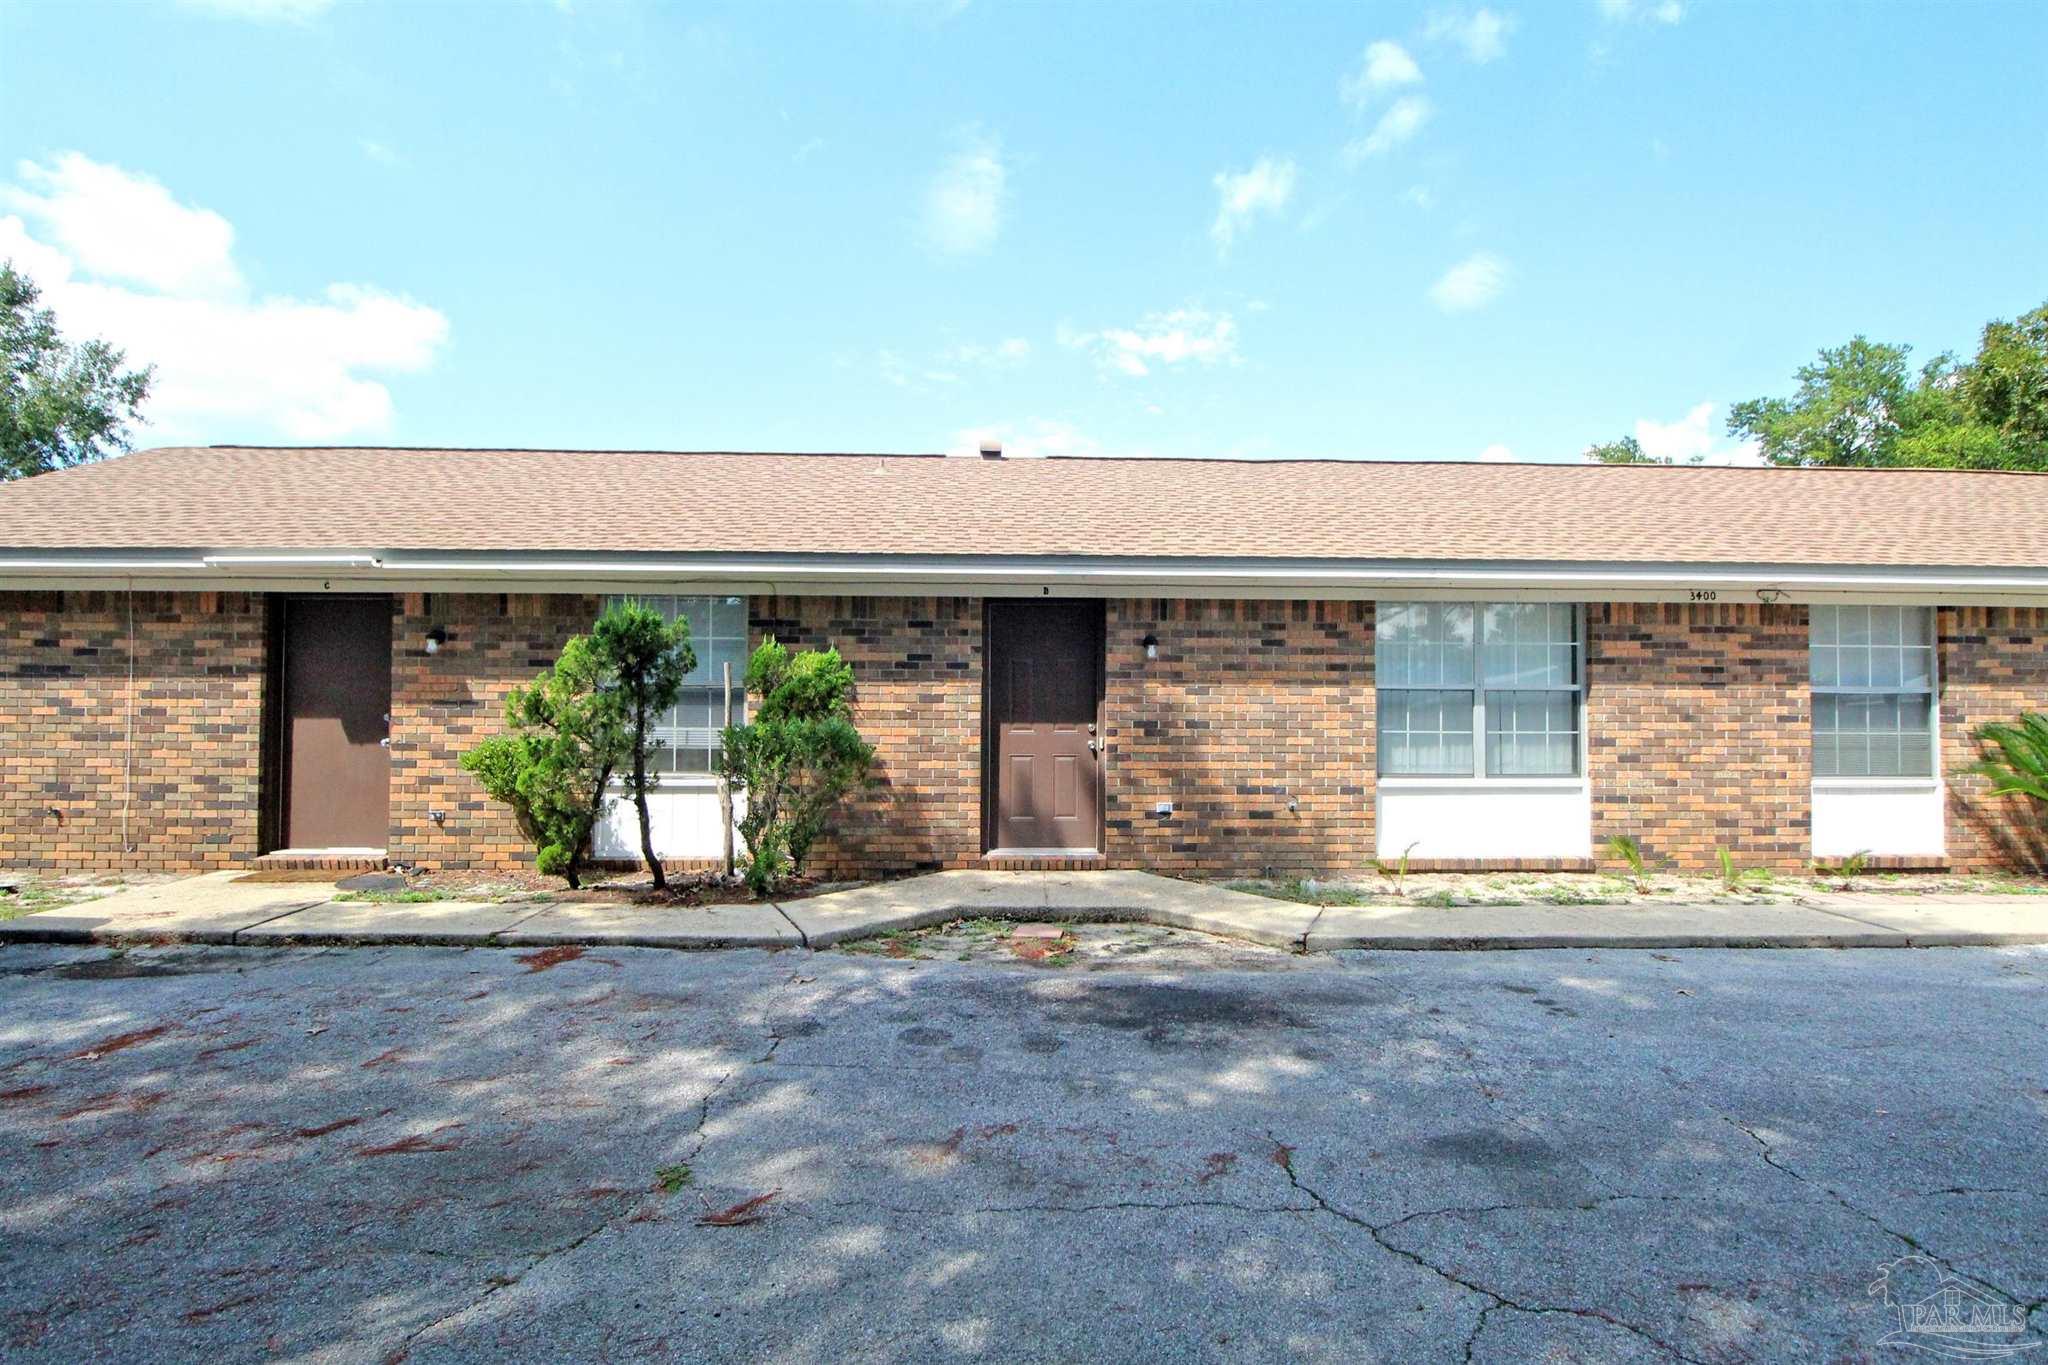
{"type": "Point", "coordinates": [227, 498]}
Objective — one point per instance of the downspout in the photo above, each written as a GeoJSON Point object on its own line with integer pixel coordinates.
{"type": "Point", "coordinates": [128, 742]}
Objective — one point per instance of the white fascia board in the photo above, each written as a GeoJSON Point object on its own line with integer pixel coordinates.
{"type": "Point", "coordinates": [425, 571]}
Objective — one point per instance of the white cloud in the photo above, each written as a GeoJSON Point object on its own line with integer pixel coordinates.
{"type": "Point", "coordinates": [1385, 66]}
{"type": "Point", "coordinates": [1419, 196]}
{"type": "Point", "coordinates": [1482, 34]}
{"type": "Point", "coordinates": [945, 367]}
{"type": "Point", "coordinates": [1642, 11]}
{"type": "Point", "coordinates": [963, 207]}
{"type": "Point", "coordinates": [1034, 439]}
{"type": "Point", "coordinates": [1472, 283]}
{"type": "Point", "coordinates": [904, 373]}
{"type": "Point", "coordinates": [1403, 120]}
{"type": "Point", "coordinates": [125, 227]}
{"type": "Point", "coordinates": [1498, 454]}
{"type": "Point", "coordinates": [1009, 351]}
{"type": "Point", "coordinates": [1265, 188]}
{"type": "Point", "coordinates": [380, 153]}
{"type": "Point", "coordinates": [1170, 338]}
{"type": "Point", "coordinates": [263, 11]}
{"type": "Point", "coordinates": [1690, 440]}
{"type": "Point", "coordinates": [118, 257]}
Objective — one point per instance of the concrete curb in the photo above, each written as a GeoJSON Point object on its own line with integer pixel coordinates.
{"type": "Point", "coordinates": [939, 898]}
{"type": "Point", "coordinates": [927, 918]}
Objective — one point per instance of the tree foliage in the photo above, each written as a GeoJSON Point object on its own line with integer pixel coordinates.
{"type": "Point", "coordinates": [567, 733]}
{"type": "Point", "coordinates": [60, 404]}
{"type": "Point", "coordinates": [644, 657]}
{"type": "Point", "coordinates": [1862, 403]}
{"type": "Point", "coordinates": [1627, 450]}
{"type": "Point", "coordinates": [795, 759]}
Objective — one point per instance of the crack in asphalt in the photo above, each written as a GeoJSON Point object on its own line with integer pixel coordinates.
{"type": "Point", "coordinates": [1769, 1156]}
{"type": "Point", "coordinates": [1113, 1206]}
{"type": "Point", "coordinates": [501, 1283]}
{"type": "Point", "coordinates": [1283, 1157]}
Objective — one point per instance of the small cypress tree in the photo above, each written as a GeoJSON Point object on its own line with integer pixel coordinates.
{"type": "Point", "coordinates": [646, 657]}
{"type": "Point", "coordinates": [796, 759]}
{"type": "Point", "coordinates": [567, 736]}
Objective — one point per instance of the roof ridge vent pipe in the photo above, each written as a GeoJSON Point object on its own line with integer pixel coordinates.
{"type": "Point", "coordinates": [991, 450]}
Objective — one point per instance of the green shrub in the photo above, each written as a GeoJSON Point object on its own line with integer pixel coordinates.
{"type": "Point", "coordinates": [795, 759]}
{"type": "Point", "coordinates": [645, 658]}
{"type": "Point", "coordinates": [566, 736]}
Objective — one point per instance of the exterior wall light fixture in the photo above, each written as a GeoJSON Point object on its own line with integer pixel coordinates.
{"type": "Point", "coordinates": [436, 637]}
{"type": "Point", "coordinates": [1151, 643]}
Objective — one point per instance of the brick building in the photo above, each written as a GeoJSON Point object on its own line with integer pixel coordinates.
{"type": "Point", "coordinates": [1201, 667]}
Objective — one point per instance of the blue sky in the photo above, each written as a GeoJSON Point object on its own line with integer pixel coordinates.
{"type": "Point", "coordinates": [1397, 231]}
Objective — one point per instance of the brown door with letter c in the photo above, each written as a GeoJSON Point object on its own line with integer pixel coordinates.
{"type": "Point", "coordinates": [1044, 778]}
{"type": "Point", "coordinates": [336, 703]}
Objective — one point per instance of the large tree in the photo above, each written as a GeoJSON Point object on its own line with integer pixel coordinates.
{"type": "Point", "coordinates": [1862, 403]}
{"type": "Point", "coordinates": [60, 404]}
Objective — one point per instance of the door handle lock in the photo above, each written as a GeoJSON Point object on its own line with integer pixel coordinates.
{"type": "Point", "coordinates": [384, 743]}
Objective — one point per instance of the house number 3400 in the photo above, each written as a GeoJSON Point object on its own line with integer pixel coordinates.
{"type": "Point", "coordinates": [1706, 595]}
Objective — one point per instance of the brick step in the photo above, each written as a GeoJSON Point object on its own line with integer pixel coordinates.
{"type": "Point", "coordinates": [289, 860]}
{"type": "Point", "coordinates": [1049, 862]}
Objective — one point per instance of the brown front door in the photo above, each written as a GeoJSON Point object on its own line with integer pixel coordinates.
{"type": "Point", "coordinates": [1045, 690]}
{"type": "Point", "coordinates": [337, 693]}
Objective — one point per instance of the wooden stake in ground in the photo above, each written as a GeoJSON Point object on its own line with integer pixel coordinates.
{"type": "Point", "coordinates": [725, 786]}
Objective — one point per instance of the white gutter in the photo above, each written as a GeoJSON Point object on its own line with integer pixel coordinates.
{"type": "Point", "coordinates": [291, 561]}
{"type": "Point", "coordinates": [1097, 576]}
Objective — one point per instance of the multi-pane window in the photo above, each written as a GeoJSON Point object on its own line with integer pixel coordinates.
{"type": "Point", "coordinates": [1451, 672]}
{"type": "Point", "coordinates": [1873, 692]}
{"type": "Point", "coordinates": [687, 736]}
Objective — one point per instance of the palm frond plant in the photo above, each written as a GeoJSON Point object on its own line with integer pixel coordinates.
{"type": "Point", "coordinates": [2014, 757]}
{"type": "Point", "coordinates": [1401, 870]}
{"type": "Point", "coordinates": [1625, 847]}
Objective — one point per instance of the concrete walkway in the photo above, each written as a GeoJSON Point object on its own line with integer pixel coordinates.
{"type": "Point", "coordinates": [219, 908]}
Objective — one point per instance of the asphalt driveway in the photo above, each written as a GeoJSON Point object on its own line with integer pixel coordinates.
{"type": "Point", "coordinates": [441, 1154]}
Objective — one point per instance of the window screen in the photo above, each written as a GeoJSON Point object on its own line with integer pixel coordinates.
{"type": "Point", "coordinates": [1450, 671]}
{"type": "Point", "coordinates": [687, 735]}
{"type": "Point", "coordinates": [1873, 691]}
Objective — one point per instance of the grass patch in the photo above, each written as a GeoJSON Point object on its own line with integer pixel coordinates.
{"type": "Point", "coordinates": [901, 943]}
{"type": "Point", "coordinates": [31, 897]}
{"type": "Point", "coordinates": [979, 927]}
{"type": "Point", "coordinates": [1304, 892]}
{"type": "Point", "coordinates": [669, 1179]}
{"type": "Point", "coordinates": [1437, 900]}
{"type": "Point", "coordinates": [1295, 890]}
{"type": "Point", "coordinates": [1565, 895]}
{"type": "Point", "coordinates": [395, 897]}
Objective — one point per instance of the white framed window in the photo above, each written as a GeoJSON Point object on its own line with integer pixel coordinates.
{"type": "Point", "coordinates": [1478, 689]}
{"type": "Point", "coordinates": [1873, 691]}
{"type": "Point", "coordinates": [686, 738]}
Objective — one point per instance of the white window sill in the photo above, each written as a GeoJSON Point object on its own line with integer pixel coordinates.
{"type": "Point", "coordinates": [1877, 784]}
{"type": "Point", "coordinates": [688, 782]}
{"type": "Point", "coordinates": [1482, 784]}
